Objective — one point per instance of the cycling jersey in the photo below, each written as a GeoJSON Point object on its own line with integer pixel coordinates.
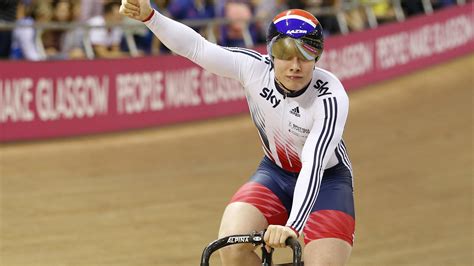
{"type": "Point", "coordinates": [301, 132]}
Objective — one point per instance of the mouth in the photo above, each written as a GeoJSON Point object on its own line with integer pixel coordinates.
{"type": "Point", "coordinates": [294, 77]}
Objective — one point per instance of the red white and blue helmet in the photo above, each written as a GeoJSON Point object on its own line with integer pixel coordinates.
{"type": "Point", "coordinates": [299, 26]}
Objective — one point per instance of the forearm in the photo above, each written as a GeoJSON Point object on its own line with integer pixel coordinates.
{"type": "Point", "coordinates": [319, 147]}
{"type": "Point", "coordinates": [186, 42]}
{"type": "Point", "coordinates": [178, 37]}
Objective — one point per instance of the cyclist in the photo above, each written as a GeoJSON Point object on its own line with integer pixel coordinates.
{"type": "Point", "coordinates": [304, 182]}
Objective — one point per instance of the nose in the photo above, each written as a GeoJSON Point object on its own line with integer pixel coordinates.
{"type": "Point", "coordinates": [295, 64]}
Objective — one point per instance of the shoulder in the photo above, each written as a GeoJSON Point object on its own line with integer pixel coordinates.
{"type": "Point", "coordinates": [327, 83]}
{"type": "Point", "coordinates": [328, 88]}
{"type": "Point", "coordinates": [254, 66]}
{"type": "Point", "coordinates": [328, 76]}
{"type": "Point", "coordinates": [252, 54]}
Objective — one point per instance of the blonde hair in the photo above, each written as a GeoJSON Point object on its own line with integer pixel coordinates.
{"type": "Point", "coordinates": [286, 50]}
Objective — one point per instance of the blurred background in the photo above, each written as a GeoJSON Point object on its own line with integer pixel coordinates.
{"type": "Point", "coordinates": [114, 151]}
{"type": "Point", "coordinates": [74, 29]}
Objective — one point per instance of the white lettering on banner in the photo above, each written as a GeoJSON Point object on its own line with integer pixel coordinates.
{"type": "Point", "coordinates": [350, 61]}
{"type": "Point", "coordinates": [15, 99]}
{"type": "Point", "coordinates": [72, 97]}
{"type": "Point", "coordinates": [217, 89]}
{"type": "Point", "coordinates": [398, 49]}
{"type": "Point", "coordinates": [419, 41]}
{"type": "Point", "coordinates": [393, 50]}
{"type": "Point", "coordinates": [139, 92]}
{"type": "Point", "coordinates": [455, 32]}
{"type": "Point", "coordinates": [182, 88]}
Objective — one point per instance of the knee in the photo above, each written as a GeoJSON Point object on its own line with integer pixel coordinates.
{"type": "Point", "coordinates": [231, 255]}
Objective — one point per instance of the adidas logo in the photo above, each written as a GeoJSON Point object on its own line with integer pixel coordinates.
{"type": "Point", "coordinates": [295, 111]}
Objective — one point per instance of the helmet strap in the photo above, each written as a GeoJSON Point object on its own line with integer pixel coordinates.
{"type": "Point", "coordinates": [283, 86]}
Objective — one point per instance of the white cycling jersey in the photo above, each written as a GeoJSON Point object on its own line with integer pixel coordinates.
{"type": "Point", "coordinates": [301, 132]}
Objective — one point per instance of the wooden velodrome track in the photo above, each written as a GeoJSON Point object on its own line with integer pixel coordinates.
{"type": "Point", "coordinates": [155, 197]}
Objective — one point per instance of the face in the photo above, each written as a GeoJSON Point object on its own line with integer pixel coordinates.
{"type": "Point", "coordinates": [294, 73]}
{"type": "Point", "coordinates": [114, 16]}
{"type": "Point", "coordinates": [62, 12]}
{"type": "Point", "coordinates": [294, 62]}
{"type": "Point", "coordinates": [76, 11]}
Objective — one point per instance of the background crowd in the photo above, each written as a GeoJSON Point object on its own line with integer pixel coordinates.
{"type": "Point", "coordinates": [65, 27]}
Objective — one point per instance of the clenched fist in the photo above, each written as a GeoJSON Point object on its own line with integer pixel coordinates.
{"type": "Point", "coordinates": [276, 235]}
{"type": "Point", "coordinates": [136, 9]}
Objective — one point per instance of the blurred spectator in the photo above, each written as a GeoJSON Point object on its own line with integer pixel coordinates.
{"type": "Point", "coordinates": [328, 19]}
{"type": "Point", "coordinates": [301, 4]}
{"type": "Point", "coordinates": [437, 4]}
{"type": "Point", "coordinates": [240, 32]}
{"type": "Point", "coordinates": [72, 44]}
{"type": "Point", "coordinates": [265, 10]}
{"type": "Point", "coordinates": [147, 42]}
{"type": "Point", "coordinates": [8, 9]}
{"type": "Point", "coordinates": [192, 9]}
{"type": "Point", "coordinates": [365, 13]}
{"type": "Point", "coordinates": [412, 7]}
{"type": "Point", "coordinates": [90, 9]}
{"type": "Point", "coordinates": [356, 17]}
{"type": "Point", "coordinates": [382, 9]}
{"type": "Point", "coordinates": [106, 41]}
{"type": "Point", "coordinates": [53, 39]}
{"type": "Point", "coordinates": [24, 42]}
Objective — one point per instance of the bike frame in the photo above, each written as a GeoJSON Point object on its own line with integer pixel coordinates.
{"type": "Point", "coordinates": [255, 239]}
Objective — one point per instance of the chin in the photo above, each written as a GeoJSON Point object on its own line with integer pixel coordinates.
{"type": "Point", "coordinates": [294, 86]}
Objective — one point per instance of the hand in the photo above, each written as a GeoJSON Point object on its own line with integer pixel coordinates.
{"type": "Point", "coordinates": [136, 9]}
{"type": "Point", "coordinates": [276, 235]}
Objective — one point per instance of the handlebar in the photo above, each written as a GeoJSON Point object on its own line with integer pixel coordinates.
{"type": "Point", "coordinates": [297, 252]}
{"type": "Point", "coordinates": [255, 238]}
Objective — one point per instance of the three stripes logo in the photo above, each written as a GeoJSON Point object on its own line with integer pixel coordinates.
{"type": "Point", "coordinates": [295, 111]}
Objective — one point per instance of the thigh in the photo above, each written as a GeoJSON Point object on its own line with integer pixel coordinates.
{"type": "Point", "coordinates": [333, 214]}
{"type": "Point", "coordinates": [264, 200]}
{"type": "Point", "coordinates": [241, 218]}
{"type": "Point", "coordinates": [270, 190]}
{"type": "Point", "coordinates": [327, 251]}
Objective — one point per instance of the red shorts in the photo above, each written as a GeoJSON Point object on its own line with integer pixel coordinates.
{"type": "Point", "coordinates": [271, 191]}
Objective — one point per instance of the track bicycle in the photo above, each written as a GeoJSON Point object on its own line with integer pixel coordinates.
{"type": "Point", "coordinates": [255, 238]}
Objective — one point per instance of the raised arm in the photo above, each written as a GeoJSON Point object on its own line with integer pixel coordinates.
{"type": "Point", "coordinates": [237, 63]}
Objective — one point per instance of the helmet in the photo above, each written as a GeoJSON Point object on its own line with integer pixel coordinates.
{"type": "Point", "coordinates": [295, 32]}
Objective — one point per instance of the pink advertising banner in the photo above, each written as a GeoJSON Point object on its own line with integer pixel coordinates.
{"type": "Point", "coordinates": [392, 50]}
{"type": "Point", "coordinates": [41, 100]}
